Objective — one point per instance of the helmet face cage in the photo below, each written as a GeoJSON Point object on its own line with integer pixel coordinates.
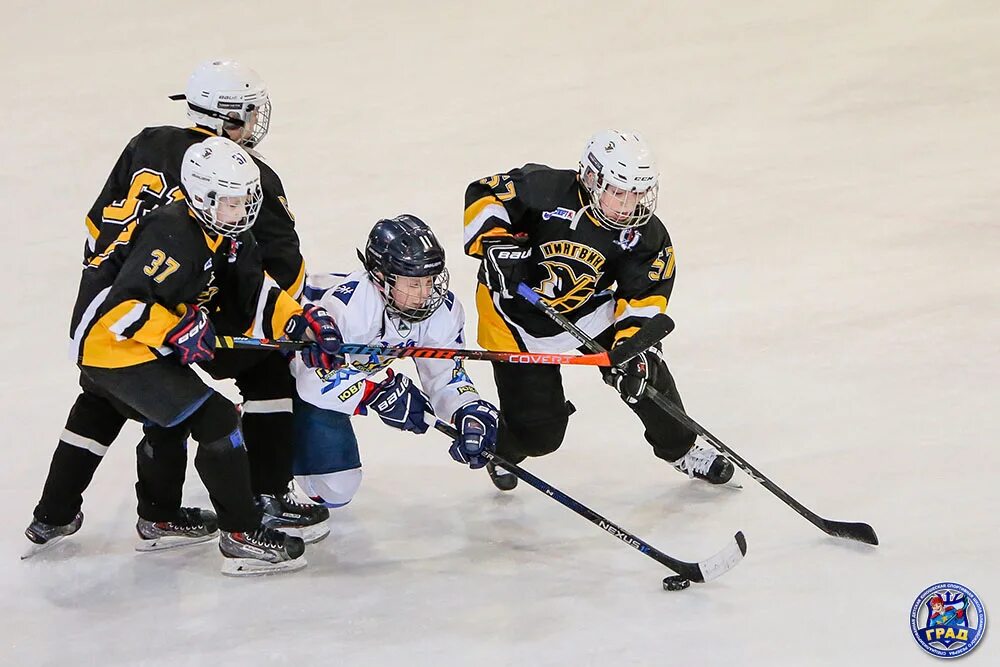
{"type": "Point", "coordinates": [393, 292]}
{"type": "Point", "coordinates": [208, 213]}
{"type": "Point", "coordinates": [599, 189]}
{"type": "Point", "coordinates": [407, 264]}
{"type": "Point", "coordinates": [261, 117]}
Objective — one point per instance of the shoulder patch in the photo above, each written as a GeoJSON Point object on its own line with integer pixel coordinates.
{"type": "Point", "coordinates": [345, 291]}
{"type": "Point", "coordinates": [449, 300]}
{"type": "Point", "coordinates": [560, 212]}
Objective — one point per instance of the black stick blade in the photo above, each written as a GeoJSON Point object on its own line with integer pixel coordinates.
{"type": "Point", "coordinates": [859, 532]}
{"type": "Point", "coordinates": [649, 335]}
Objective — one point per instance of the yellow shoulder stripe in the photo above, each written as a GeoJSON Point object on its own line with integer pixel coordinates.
{"type": "Point", "coordinates": [476, 207]}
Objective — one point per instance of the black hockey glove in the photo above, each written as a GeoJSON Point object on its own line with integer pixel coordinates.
{"type": "Point", "coordinates": [506, 262]}
{"type": "Point", "coordinates": [193, 337]}
{"type": "Point", "coordinates": [398, 402]}
{"type": "Point", "coordinates": [477, 433]}
{"type": "Point", "coordinates": [632, 377]}
{"type": "Point", "coordinates": [315, 324]}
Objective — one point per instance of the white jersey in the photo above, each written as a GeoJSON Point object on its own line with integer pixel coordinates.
{"type": "Point", "coordinates": [358, 308]}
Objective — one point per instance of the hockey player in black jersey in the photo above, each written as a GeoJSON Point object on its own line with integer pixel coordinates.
{"type": "Point", "coordinates": [144, 314]}
{"type": "Point", "coordinates": [589, 241]}
{"type": "Point", "coordinates": [227, 99]}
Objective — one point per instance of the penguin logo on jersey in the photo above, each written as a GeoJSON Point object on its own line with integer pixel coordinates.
{"type": "Point", "coordinates": [564, 288]}
{"type": "Point", "coordinates": [573, 271]}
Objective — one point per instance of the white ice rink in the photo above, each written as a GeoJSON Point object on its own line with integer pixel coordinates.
{"type": "Point", "coordinates": [830, 180]}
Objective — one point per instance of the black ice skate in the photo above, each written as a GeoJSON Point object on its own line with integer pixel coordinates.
{"type": "Point", "coordinates": [263, 551]}
{"type": "Point", "coordinates": [501, 479]}
{"type": "Point", "coordinates": [288, 515]}
{"type": "Point", "coordinates": [707, 464]}
{"type": "Point", "coordinates": [45, 536]}
{"type": "Point", "coordinates": [191, 526]}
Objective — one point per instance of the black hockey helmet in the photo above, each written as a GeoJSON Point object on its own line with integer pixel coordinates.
{"type": "Point", "coordinates": [405, 247]}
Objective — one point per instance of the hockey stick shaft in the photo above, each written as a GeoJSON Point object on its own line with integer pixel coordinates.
{"type": "Point", "coordinates": [707, 570]}
{"type": "Point", "coordinates": [860, 532]}
{"type": "Point", "coordinates": [243, 342]}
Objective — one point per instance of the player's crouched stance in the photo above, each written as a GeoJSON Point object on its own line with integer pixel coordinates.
{"type": "Point", "coordinates": [142, 319]}
{"type": "Point", "coordinates": [588, 240]}
{"type": "Point", "coordinates": [401, 298]}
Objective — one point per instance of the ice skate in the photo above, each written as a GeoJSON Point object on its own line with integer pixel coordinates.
{"type": "Point", "coordinates": [304, 520]}
{"type": "Point", "coordinates": [707, 464]}
{"type": "Point", "coordinates": [503, 480]}
{"type": "Point", "coordinates": [45, 536]}
{"type": "Point", "coordinates": [191, 526]}
{"type": "Point", "coordinates": [262, 551]}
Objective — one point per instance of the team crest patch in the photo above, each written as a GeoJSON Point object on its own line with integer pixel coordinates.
{"type": "Point", "coordinates": [947, 620]}
{"type": "Point", "coordinates": [628, 239]}
{"type": "Point", "coordinates": [560, 212]}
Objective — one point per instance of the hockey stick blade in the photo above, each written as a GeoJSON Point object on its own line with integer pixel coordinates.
{"type": "Point", "coordinates": [700, 572]}
{"type": "Point", "coordinates": [859, 532]}
{"type": "Point", "coordinates": [243, 342]}
{"type": "Point", "coordinates": [649, 335]}
{"type": "Point", "coordinates": [722, 562]}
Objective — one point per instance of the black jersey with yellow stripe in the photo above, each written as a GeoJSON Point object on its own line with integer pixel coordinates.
{"type": "Point", "coordinates": [136, 290]}
{"type": "Point", "coordinates": [147, 176]}
{"type": "Point", "coordinates": [596, 276]}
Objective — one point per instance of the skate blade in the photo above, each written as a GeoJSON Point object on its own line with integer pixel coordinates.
{"type": "Point", "coordinates": [251, 567]}
{"type": "Point", "coordinates": [172, 542]}
{"type": "Point", "coordinates": [36, 549]}
{"type": "Point", "coordinates": [308, 534]}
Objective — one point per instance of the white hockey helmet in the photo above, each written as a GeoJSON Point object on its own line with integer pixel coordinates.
{"type": "Point", "coordinates": [619, 172]}
{"type": "Point", "coordinates": [225, 95]}
{"type": "Point", "coordinates": [221, 184]}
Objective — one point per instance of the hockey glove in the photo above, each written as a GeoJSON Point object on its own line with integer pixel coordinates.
{"type": "Point", "coordinates": [398, 402]}
{"type": "Point", "coordinates": [315, 324]}
{"type": "Point", "coordinates": [477, 433]}
{"type": "Point", "coordinates": [632, 377]}
{"type": "Point", "coordinates": [193, 337]}
{"type": "Point", "coordinates": [505, 264]}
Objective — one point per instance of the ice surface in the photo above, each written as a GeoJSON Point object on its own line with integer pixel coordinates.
{"type": "Point", "coordinates": [830, 181]}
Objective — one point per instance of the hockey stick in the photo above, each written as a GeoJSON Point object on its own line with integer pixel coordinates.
{"type": "Point", "coordinates": [620, 355]}
{"type": "Point", "coordinates": [861, 532]}
{"type": "Point", "coordinates": [702, 571]}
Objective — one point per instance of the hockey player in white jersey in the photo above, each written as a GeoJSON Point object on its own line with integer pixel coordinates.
{"type": "Point", "coordinates": [399, 299]}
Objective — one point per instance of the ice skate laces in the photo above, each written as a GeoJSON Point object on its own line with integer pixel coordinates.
{"type": "Point", "coordinates": [265, 538]}
{"type": "Point", "coordinates": [289, 500]}
{"type": "Point", "coordinates": [697, 461]}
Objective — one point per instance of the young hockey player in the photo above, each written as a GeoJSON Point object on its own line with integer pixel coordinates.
{"type": "Point", "coordinates": [399, 299]}
{"type": "Point", "coordinates": [142, 318]}
{"type": "Point", "coordinates": [227, 99]}
{"type": "Point", "coordinates": [588, 241]}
